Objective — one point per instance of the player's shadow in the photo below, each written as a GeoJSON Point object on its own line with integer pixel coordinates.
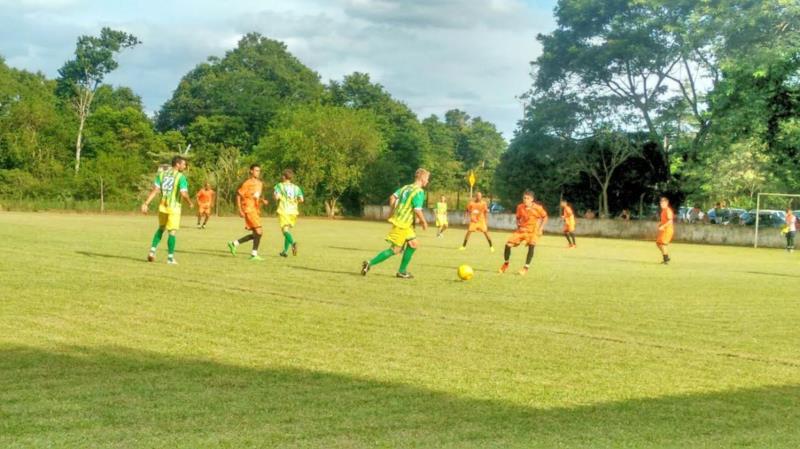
{"type": "Point", "coordinates": [325, 270]}
{"type": "Point", "coordinates": [632, 261]}
{"type": "Point", "coordinates": [215, 253]}
{"type": "Point", "coordinates": [344, 248]}
{"type": "Point", "coordinates": [111, 256]}
{"type": "Point", "coordinates": [112, 396]}
{"type": "Point", "coordinates": [761, 273]}
{"type": "Point", "coordinates": [477, 270]}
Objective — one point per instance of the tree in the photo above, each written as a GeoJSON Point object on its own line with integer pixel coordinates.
{"type": "Point", "coordinates": [80, 78]}
{"type": "Point", "coordinates": [601, 157]}
{"type": "Point", "coordinates": [328, 147]}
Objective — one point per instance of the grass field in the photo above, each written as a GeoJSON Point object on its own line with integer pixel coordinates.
{"type": "Point", "coordinates": [596, 347]}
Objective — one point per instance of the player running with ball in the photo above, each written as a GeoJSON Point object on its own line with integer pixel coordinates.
{"type": "Point", "coordinates": [407, 203]}
{"type": "Point", "coordinates": [531, 219]}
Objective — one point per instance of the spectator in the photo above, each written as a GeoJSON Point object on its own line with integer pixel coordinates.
{"type": "Point", "coordinates": [589, 214]}
{"type": "Point", "coordinates": [715, 214]}
{"type": "Point", "coordinates": [791, 229]}
{"type": "Point", "coordinates": [625, 215]}
{"type": "Point", "coordinates": [696, 214]}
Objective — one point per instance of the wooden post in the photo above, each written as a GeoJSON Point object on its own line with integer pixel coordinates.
{"type": "Point", "coordinates": [102, 197]}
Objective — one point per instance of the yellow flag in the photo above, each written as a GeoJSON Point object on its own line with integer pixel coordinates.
{"type": "Point", "coordinates": [471, 178]}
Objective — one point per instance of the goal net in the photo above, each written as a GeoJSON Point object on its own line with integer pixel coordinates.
{"type": "Point", "coordinates": [770, 213]}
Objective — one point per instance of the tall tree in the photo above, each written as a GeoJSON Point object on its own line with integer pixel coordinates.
{"type": "Point", "coordinates": [601, 157]}
{"type": "Point", "coordinates": [80, 78]}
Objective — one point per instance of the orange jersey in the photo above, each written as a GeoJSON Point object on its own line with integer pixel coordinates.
{"type": "Point", "coordinates": [667, 217]}
{"type": "Point", "coordinates": [528, 218]}
{"type": "Point", "coordinates": [205, 197]}
{"type": "Point", "coordinates": [250, 191]}
{"type": "Point", "coordinates": [569, 218]}
{"type": "Point", "coordinates": [477, 212]}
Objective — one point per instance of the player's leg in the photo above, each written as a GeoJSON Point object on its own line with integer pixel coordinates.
{"type": "Point", "coordinates": [396, 239]}
{"type": "Point", "coordinates": [528, 259]}
{"type": "Point", "coordinates": [790, 241]}
{"type": "Point", "coordinates": [572, 236]}
{"type": "Point", "coordinates": [162, 226]}
{"type": "Point", "coordinates": [199, 215]}
{"type": "Point", "coordinates": [489, 240]}
{"type": "Point", "coordinates": [512, 242]}
{"type": "Point", "coordinates": [466, 239]}
{"type": "Point", "coordinates": [173, 224]}
{"type": "Point", "coordinates": [569, 239]}
{"type": "Point", "coordinates": [411, 248]}
{"type": "Point", "coordinates": [663, 247]}
{"type": "Point", "coordinates": [206, 216]}
{"type": "Point", "coordinates": [257, 232]}
{"type": "Point", "coordinates": [287, 222]}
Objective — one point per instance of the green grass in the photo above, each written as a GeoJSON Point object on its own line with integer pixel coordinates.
{"type": "Point", "coordinates": [596, 347]}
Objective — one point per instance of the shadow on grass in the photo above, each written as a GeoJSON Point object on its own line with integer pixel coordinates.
{"type": "Point", "coordinates": [782, 275]}
{"type": "Point", "coordinates": [79, 397]}
{"type": "Point", "coordinates": [111, 256]}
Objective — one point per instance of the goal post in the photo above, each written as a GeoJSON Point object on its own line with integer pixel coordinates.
{"type": "Point", "coordinates": [761, 198]}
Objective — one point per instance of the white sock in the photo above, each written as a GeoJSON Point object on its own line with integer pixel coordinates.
{"type": "Point", "coordinates": [235, 243]}
{"type": "Point", "coordinates": [153, 249]}
{"type": "Point", "coordinates": [254, 253]}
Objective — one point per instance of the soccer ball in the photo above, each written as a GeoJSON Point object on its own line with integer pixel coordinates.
{"type": "Point", "coordinates": [465, 272]}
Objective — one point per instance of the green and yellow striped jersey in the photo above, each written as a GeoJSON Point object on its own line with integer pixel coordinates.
{"type": "Point", "coordinates": [441, 209]}
{"type": "Point", "coordinates": [409, 198]}
{"type": "Point", "coordinates": [171, 182]}
{"type": "Point", "coordinates": [288, 196]}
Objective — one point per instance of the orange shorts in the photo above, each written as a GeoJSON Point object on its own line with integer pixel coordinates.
{"type": "Point", "coordinates": [569, 228]}
{"type": "Point", "coordinates": [204, 209]}
{"type": "Point", "coordinates": [252, 220]}
{"type": "Point", "coordinates": [478, 227]}
{"type": "Point", "coordinates": [664, 237]}
{"type": "Point", "coordinates": [520, 237]}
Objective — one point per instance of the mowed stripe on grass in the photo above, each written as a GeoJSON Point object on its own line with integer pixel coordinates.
{"type": "Point", "coordinates": [596, 347]}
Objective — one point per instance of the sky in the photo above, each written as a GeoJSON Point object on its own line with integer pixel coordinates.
{"type": "Point", "coordinates": [434, 55]}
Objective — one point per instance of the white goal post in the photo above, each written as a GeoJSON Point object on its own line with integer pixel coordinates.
{"type": "Point", "coordinates": [758, 209]}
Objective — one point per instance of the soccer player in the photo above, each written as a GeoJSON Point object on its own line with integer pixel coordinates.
{"type": "Point", "coordinates": [441, 216]}
{"type": "Point", "coordinates": [568, 217]}
{"type": "Point", "coordinates": [204, 197]}
{"type": "Point", "coordinates": [665, 229]}
{"type": "Point", "coordinates": [171, 183]}
{"type": "Point", "coordinates": [288, 196]}
{"type": "Point", "coordinates": [531, 218]}
{"type": "Point", "coordinates": [406, 204]}
{"type": "Point", "coordinates": [791, 229]}
{"type": "Point", "coordinates": [478, 215]}
{"type": "Point", "coordinates": [248, 201]}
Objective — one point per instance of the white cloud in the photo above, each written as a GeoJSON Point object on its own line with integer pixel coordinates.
{"type": "Point", "coordinates": [432, 54]}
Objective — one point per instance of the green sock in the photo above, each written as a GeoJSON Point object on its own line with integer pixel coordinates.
{"type": "Point", "coordinates": [157, 237]}
{"type": "Point", "coordinates": [383, 255]}
{"type": "Point", "coordinates": [171, 245]}
{"type": "Point", "coordinates": [407, 255]}
{"type": "Point", "coordinates": [287, 240]}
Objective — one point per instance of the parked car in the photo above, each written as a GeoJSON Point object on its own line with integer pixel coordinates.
{"type": "Point", "coordinates": [496, 208]}
{"type": "Point", "coordinates": [725, 216]}
{"type": "Point", "coordinates": [766, 218]}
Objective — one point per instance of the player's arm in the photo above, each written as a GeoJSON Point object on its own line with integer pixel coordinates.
{"type": "Point", "coordinates": [418, 203]}
{"type": "Point", "coordinates": [153, 192]}
{"type": "Point", "coordinates": [543, 222]}
{"type": "Point", "coordinates": [239, 203]}
{"type": "Point", "coordinates": [264, 200]}
{"type": "Point", "coordinates": [183, 185]}
{"type": "Point", "coordinates": [392, 202]}
{"type": "Point", "coordinates": [421, 218]}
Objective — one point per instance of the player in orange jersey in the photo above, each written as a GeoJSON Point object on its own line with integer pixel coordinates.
{"type": "Point", "coordinates": [531, 218]}
{"type": "Point", "coordinates": [205, 198]}
{"type": "Point", "coordinates": [568, 217]}
{"type": "Point", "coordinates": [665, 229]}
{"type": "Point", "coordinates": [478, 216]}
{"type": "Point", "coordinates": [249, 199]}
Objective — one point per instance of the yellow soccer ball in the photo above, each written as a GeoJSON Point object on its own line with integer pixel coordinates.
{"type": "Point", "coordinates": [465, 272]}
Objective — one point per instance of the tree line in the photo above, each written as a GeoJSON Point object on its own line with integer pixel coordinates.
{"type": "Point", "coordinates": [349, 140]}
{"type": "Point", "coordinates": [699, 100]}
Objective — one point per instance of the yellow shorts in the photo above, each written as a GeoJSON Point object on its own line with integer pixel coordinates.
{"type": "Point", "coordinates": [287, 220]}
{"type": "Point", "coordinates": [441, 221]}
{"type": "Point", "coordinates": [399, 236]}
{"type": "Point", "coordinates": [172, 222]}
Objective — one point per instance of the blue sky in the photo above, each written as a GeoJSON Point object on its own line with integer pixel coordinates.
{"type": "Point", "coordinates": [434, 55]}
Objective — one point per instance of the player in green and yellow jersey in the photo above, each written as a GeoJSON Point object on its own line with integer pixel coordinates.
{"type": "Point", "coordinates": [441, 216]}
{"type": "Point", "coordinates": [288, 196]}
{"type": "Point", "coordinates": [173, 186]}
{"type": "Point", "coordinates": [406, 203]}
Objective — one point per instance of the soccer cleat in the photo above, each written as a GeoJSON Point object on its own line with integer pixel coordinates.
{"type": "Point", "coordinates": [283, 254]}
{"type": "Point", "coordinates": [503, 268]}
{"type": "Point", "coordinates": [523, 271]}
{"type": "Point", "coordinates": [172, 261]}
{"type": "Point", "coordinates": [203, 227]}
{"type": "Point", "coordinates": [294, 248]}
{"type": "Point", "coordinates": [151, 256]}
{"type": "Point", "coordinates": [404, 275]}
{"type": "Point", "coordinates": [462, 248]}
{"type": "Point", "coordinates": [364, 268]}
{"type": "Point", "coordinates": [491, 248]}
{"type": "Point", "coordinates": [232, 248]}
{"type": "Point", "coordinates": [255, 258]}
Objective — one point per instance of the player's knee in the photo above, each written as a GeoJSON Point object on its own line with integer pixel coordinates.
{"type": "Point", "coordinates": [413, 243]}
{"type": "Point", "coordinates": [173, 232]}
